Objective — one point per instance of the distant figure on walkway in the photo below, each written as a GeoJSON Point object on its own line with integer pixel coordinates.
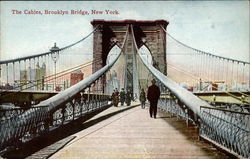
{"type": "Point", "coordinates": [153, 96]}
{"type": "Point", "coordinates": [142, 98]}
{"type": "Point", "coordinates": [116, 92]}
{"type": "Point", "coordinates": [128, 97]}
{"type": "Point", "coordinates": [131, 95]}
{"type": "Point", "coordinates": [122, 96]}
{"type": "Point", "coordinates": [115, 98]}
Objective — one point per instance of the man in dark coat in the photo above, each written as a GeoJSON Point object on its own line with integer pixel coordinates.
{"type": "Point", "coordinates": [128, 97]}
{"type": "Point", "coordinates": [153, 96]}
{"type": "Point", "coordinates": [115, 98]}
{"type": "Point", "coordinates": [143, 98]}
{"type": "Point", "coordinates": [122, 96]}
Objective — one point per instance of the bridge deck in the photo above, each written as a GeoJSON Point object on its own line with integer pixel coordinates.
{"type": "Point", "coordinates": [133, 134]}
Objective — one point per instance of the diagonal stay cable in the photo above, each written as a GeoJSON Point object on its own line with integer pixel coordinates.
{"type": "Point", "coordinates": [186, 97]}
{"type": "Point", "coordinates": [75, 89]}
{"type": "Point", "coordinates": [66, 47]}
{"type": "Point", "coordinates": [244, 62]}
{"type": "Point", "coordinates": [210, 55]}
{"type": "Point", "coordinates": [48, 78]}
{"type": "Point", "coordinates": [227, 92]}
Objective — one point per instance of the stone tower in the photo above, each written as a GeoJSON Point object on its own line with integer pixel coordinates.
{"type": "Point", "coordinates": [148, 33]}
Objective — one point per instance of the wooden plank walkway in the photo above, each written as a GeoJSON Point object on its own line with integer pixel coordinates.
{"type": "Point", "coordinates": [133, 134]}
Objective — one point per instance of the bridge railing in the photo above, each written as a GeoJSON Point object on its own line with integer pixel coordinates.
{"type": "Point", "coordinates": [62, 108]}
{"type": "Point", "coordinates": [170, 103]}
{"type": "Point", "coordinates": [226, 128]}
{"type": "Point", "coordinates": [80, 106]}
{"type": "Point", "coordinates": [15, 128]}
{"type": "Point", "coordinates": [20, 125]}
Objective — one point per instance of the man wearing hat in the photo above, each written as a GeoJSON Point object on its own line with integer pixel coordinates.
{"type": "Point", "coordinates": [122, 96]}
{"type": "Point", "coordinates": [153, 96]}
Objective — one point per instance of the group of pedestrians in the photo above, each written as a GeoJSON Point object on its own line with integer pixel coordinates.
{"type": "Point", "coordinates": [126, 97]}
{"type": "Point", "coordinates": [152, 96]}
{"type": "Point", "coordinates": [115, 97]}
{"type": "Point", "coordinates": [123, 97]}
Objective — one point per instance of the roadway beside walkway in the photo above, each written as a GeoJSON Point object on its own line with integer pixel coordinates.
{"type": "Point", "coordinates": [132, 134]}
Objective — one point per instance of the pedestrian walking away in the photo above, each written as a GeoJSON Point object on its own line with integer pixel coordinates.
{"type": "Point", "coordinates": [115, 98]}
{"type": "Point", "coordinates": [128, 97]}
{"type": "Point", "coordinates": [153, 96]}
{"type": "Point", "coordinates": [122, 96]}
{"type": "Point", "coordinates": [142, 98]}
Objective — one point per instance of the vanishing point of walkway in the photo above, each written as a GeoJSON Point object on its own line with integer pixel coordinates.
{"type": "Point", "coordinates": [132, 134]}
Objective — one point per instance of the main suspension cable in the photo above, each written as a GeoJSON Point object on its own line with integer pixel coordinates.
{"type": "Point", "coordinates": [49, 52]}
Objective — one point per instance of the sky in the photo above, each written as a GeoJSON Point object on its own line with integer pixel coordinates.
{"type": "Point", "coordinates": [218, 27]}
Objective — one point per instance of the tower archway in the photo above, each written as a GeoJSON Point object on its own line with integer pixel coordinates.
{"type": "Point", "coordinates": [111, 33]}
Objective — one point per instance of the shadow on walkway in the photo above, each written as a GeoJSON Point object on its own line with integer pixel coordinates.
{"type": "Point", "coordinates": [191, 133]}
{"type": "Point", "coordinates": [62, 132]}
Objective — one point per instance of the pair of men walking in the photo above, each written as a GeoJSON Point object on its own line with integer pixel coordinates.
{"type": "Point", "coordinates": [126, 97]}
{"type": "Point", "coordinates": [152, 96]}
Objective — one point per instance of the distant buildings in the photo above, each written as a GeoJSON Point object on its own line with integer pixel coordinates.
{"type": "Point", "coordinates": [208, 86]}
{"type": "Point", "coordinates": [75, 77]}
{"type": "Point", "coordinates": [33, 78]}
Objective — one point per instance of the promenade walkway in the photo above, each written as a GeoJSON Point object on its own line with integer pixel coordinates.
{"type": "Point", "coordinates": [132, 134]}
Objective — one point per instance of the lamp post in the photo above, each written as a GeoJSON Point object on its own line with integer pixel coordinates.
{"type": "Point", "coordinates": [55, 55]}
